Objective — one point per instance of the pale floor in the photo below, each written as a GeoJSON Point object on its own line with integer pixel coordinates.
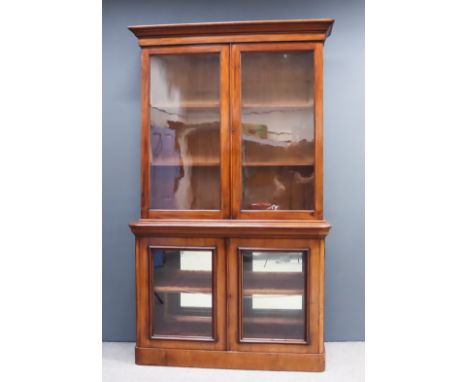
{"type": "Point", "coordinates": [344, 363]}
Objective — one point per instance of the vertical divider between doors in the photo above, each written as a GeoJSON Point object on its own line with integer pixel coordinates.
{"type": "Point", "coordinates": [227, 241]}
{"type": "Point", "coordinates": [232, 293]}
{"type": "Point", "coordinates": [219, 288]}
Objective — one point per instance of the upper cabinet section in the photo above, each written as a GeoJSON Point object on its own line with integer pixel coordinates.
{"type": "Point", "coordinates": [232, 120]}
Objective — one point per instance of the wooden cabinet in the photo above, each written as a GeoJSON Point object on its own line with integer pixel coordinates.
{"type": "Point", "coordinates": [230, 244]}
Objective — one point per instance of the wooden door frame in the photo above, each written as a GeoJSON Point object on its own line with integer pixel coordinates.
{"type": "Point", "coordinates": [314, 296]}
{"type": "Point", "coordinates": [236, 130]}
{"type": "Point", "coordinates": [144, 295]}
{"type": "Point", "coordinates": [224, 67]}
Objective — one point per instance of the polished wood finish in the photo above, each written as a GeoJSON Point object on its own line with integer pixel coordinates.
{"type": "Point", "coordinates": [230, 359]}
{"type": "Point", "coordinates": [317, 26]}
{"type": "Point", "coordinates": [231, 229]}
{"type": "Point", "coordinates": [231, 39]}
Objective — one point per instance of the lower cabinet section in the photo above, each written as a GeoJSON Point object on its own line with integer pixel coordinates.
{"type": "Point", "coordinates": [230, 302]}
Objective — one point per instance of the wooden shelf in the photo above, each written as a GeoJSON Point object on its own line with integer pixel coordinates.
{"type": "Point", "coordinates": [274, 320]}
{"type": "Point", "coordinates": [280, 283]}
{"type": "Point", "coordinates": [171, 327]}
{"type": "Point", "coordinates": [184, 281]}
{"type": "Point", "coordinates": [270, 320]}
{"type": "Point", "coordinates": [215, 162]}
{"type": "Point", "coordinates": [194, 162]}
{"type": "Point", "coordinates": [279, 106]}
{"type": "Point", "coordinates": [299, 163]}
{"type": "Point", "coordinates": [186, 318]}
{"type": "Point", "coordinates": [200, 105]}
{"type": "Point", "coordinates": [203, 105]}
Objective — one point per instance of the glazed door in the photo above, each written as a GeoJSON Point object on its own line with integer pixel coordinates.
{"type": "Point", "coordinates": [276, 103]}
{"type": "Point", "coordinates": [275, 294]}
{"type": "Point", "coordinates": [181, 293]}
{"type": "Point", "coordinates": [185, 156]}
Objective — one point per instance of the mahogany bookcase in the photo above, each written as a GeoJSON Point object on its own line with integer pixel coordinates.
{"type": "Point", "coordinates": [230, 243]}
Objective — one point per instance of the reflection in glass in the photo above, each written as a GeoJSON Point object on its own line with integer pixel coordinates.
{"type": "Point", "coordinates": [182, 292]}
{"type": "Point", "coordinates": [185, 132]}
{"type": "Point", "coordinates": [273, 295]}
{"type": "Point", "coordinates": [277, 130]}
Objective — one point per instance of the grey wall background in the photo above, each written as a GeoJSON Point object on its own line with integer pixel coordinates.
{"type": "Point", "coordinates": [344, 148]}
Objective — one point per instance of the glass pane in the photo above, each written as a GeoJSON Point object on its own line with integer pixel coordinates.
{"type": "Point", "coordinates": [273, 295]}
{"type": "Point", "coordinates": [185, 132]}
{"type": "Point", "coordinates": [182, 292]}
{"type": "Point", "coordinates": [277, 130]}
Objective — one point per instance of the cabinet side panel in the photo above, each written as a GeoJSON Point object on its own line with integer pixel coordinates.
{"type": "Point", "coordinates": [145, 121]}
{"type": "Point", "coordinates": [142, 293]}
{"type": "Point", "coordinates": [315, 293]}
{"type": "Point", "coordinates": [318, 84]}
{"type": "Point", "coordinates": [322, 295]}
